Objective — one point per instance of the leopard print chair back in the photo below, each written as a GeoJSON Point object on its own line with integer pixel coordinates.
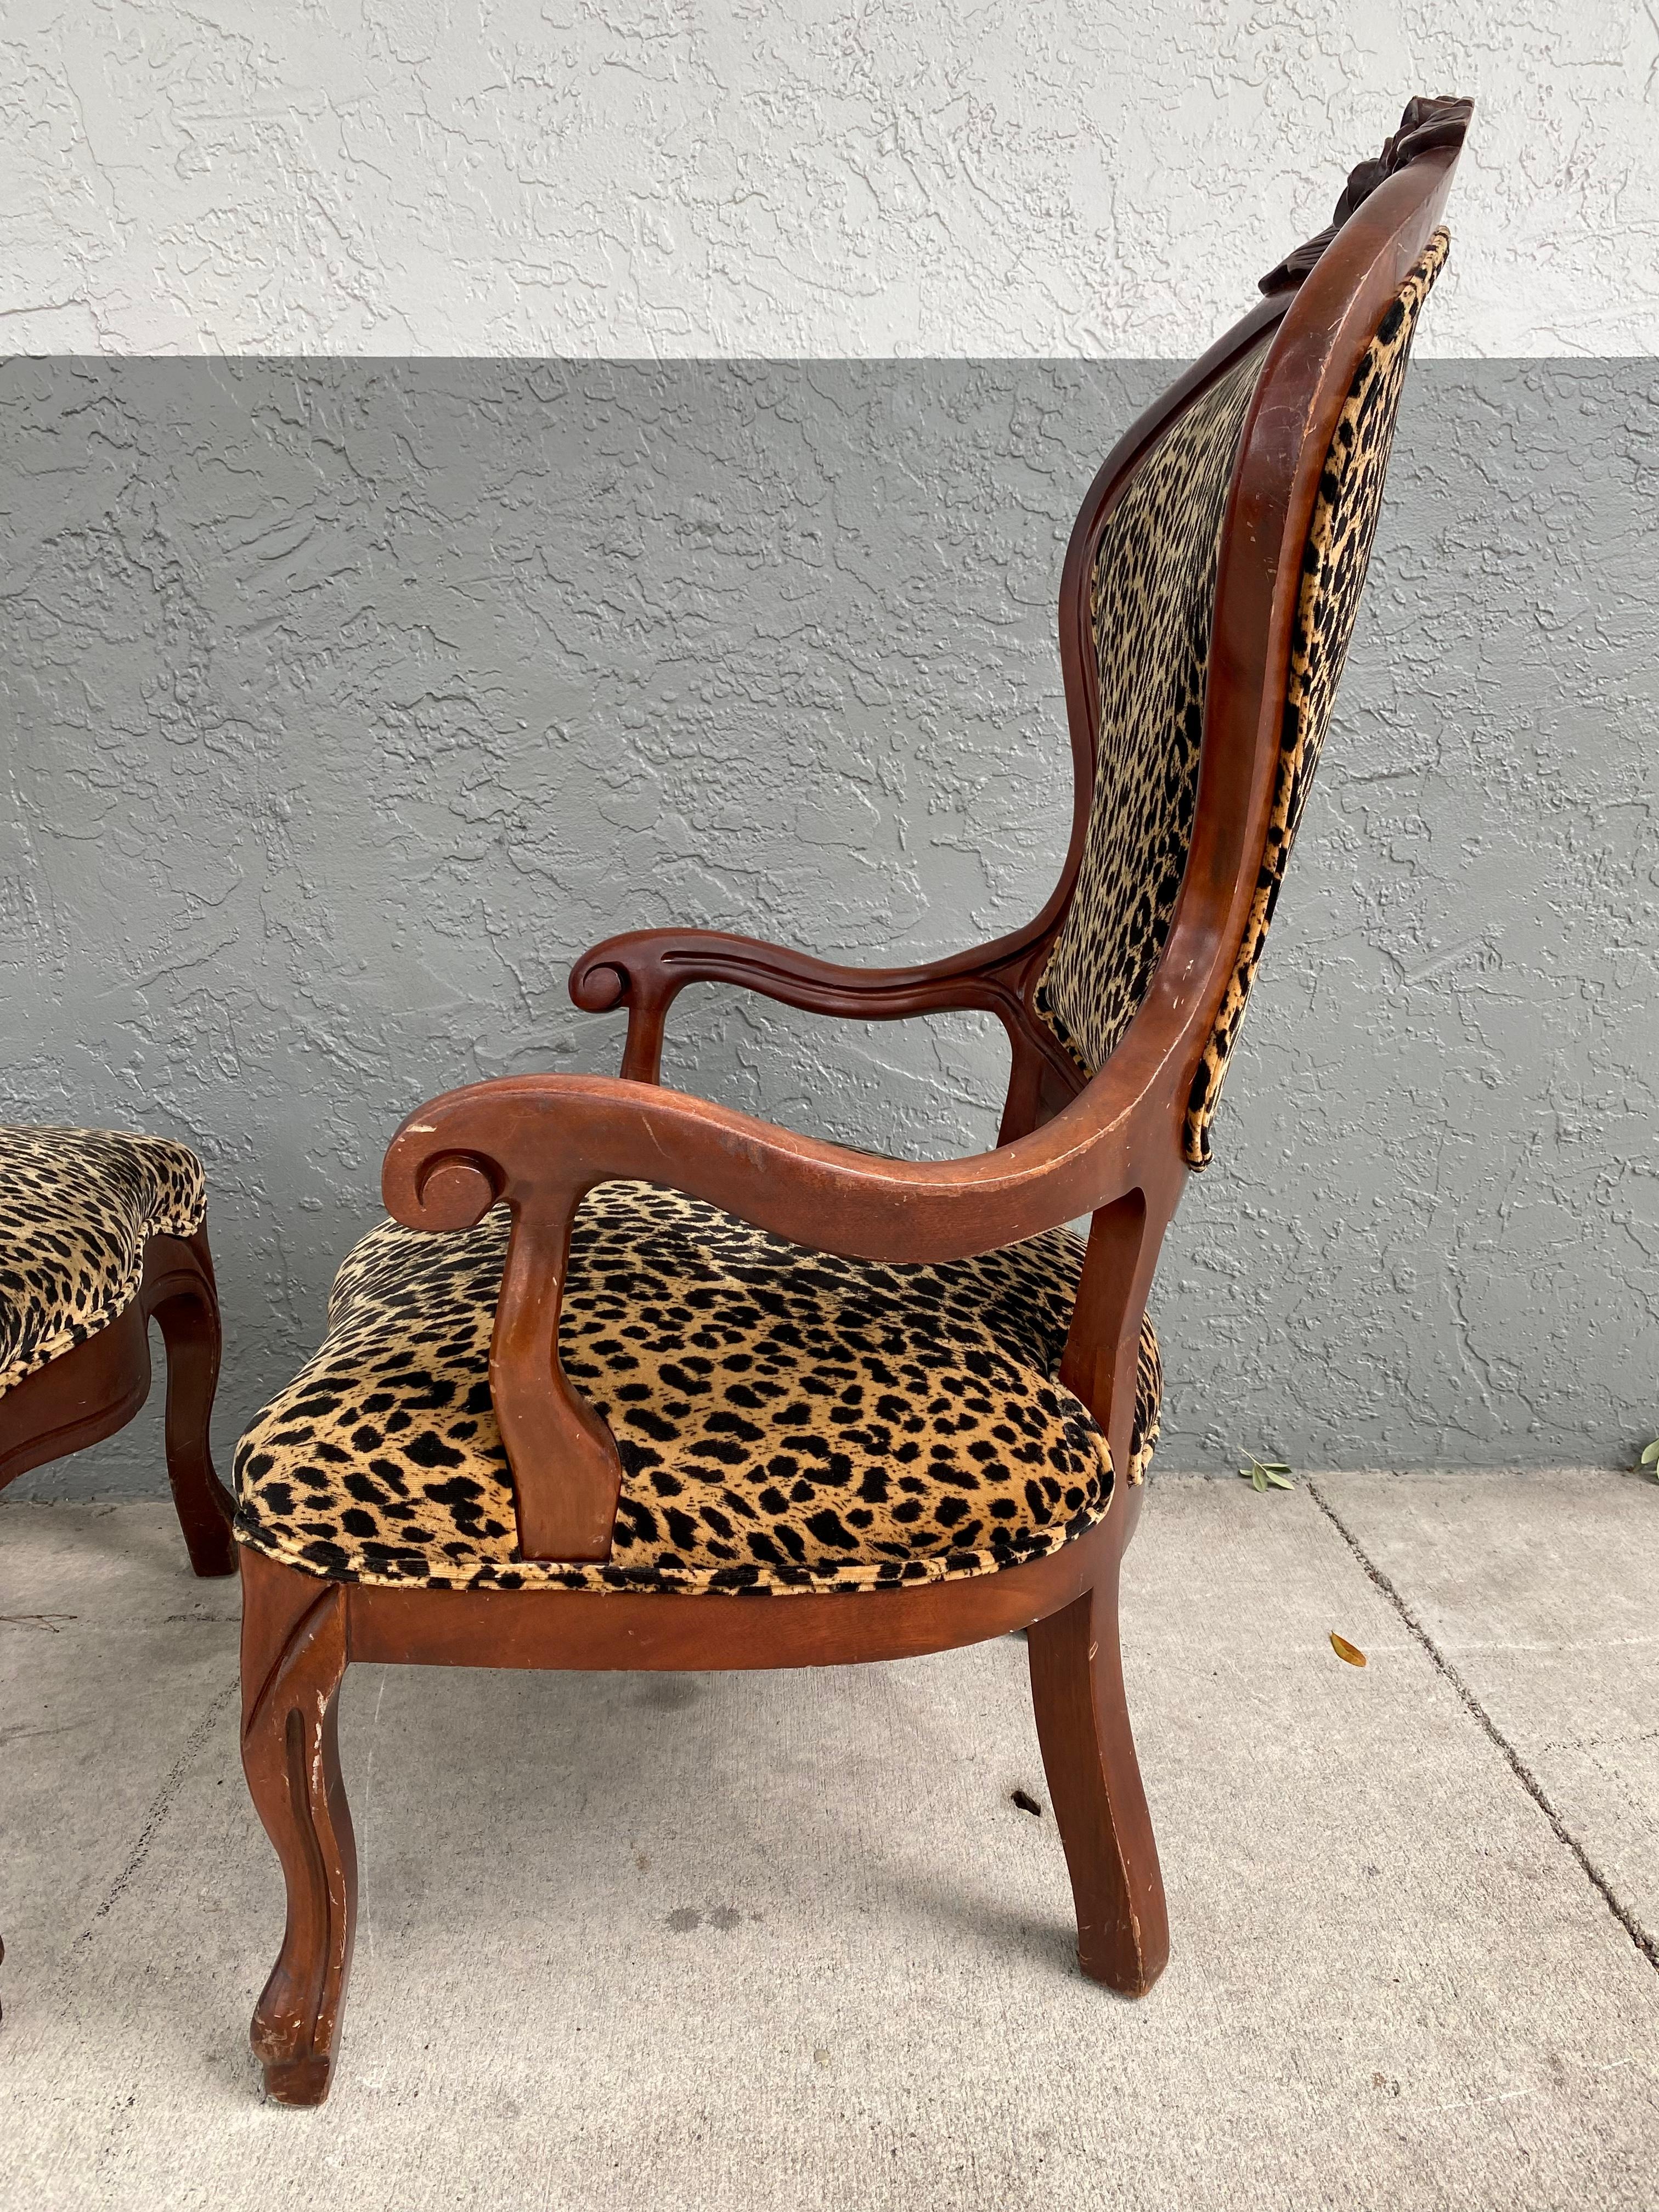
{"type": "Point", "coordinates": [1151, 584]}
{"type": "Point", "coordinates": [1335, 561]}
{"type": "Point", "coordinates": [1152, 598]}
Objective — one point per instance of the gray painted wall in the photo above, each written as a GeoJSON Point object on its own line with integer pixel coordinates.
{"type": "Point", "coordinates": [345, 701]}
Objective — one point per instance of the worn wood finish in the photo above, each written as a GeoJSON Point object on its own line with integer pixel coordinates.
{"type": "Point", "coordinates": [1427, 125]}
{"type": "Point", "coordinates": [1109, 1147]}
{"type": "Point", "coordinates": [541, 1142]}
{"type": "Point", "coordinates": [593, 1632]}
{"type": "Point", "coordinates": [293, 1658]}
{"type": "Point", "coordinates": [92, 1391]}
{"type": "Point", "coordinates": [1094, 1780]}
{"type": "Point", "coordinates": [300, 1633]}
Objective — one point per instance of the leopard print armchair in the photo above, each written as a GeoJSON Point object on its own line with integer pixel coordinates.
{"type": "Point", "coordinates": [101, 1232]}
{"type": "Point", "coordinates": [630, 1380]}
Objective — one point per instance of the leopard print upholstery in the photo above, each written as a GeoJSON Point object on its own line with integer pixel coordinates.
{"type": "Point", "coordinates": [1339, 551]}
{"type": "Point", "coordinates": [1151, 600]}
{"type": "Point", "coordinates": [75, 1208]}
{"type": "Point", "coordinates": [1152, 597]}
{"type": "Point", "coordinates": [787, 1421]}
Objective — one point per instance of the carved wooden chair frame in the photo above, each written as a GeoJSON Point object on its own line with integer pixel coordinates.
{"type": "Point", "coordinates": [89, 1393]}
{"type": "Point", "coordinates": [1109, 1147]}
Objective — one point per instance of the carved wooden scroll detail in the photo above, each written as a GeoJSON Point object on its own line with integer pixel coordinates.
{"type": "Point", "coordinates": [1426, 125]}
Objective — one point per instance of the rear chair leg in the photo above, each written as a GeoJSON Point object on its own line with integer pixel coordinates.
{"type": "Point", "coordinates": [1089, 1755]}
{"type": "Point", "coordinates": [294, 1657]}
{"type": "Point", "coordinates": [179, 1295]}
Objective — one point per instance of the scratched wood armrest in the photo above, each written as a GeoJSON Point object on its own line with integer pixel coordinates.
{"type": "Point", "coordinates": [540, 1143]}
{"type": "Point", "coordinates": [646, 970]}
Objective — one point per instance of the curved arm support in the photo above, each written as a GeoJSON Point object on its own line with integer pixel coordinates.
{"type": "Point", "coordinates": [646, 970]}
{"type": "Point", "coordinates": [1102, 1347]}
{"type": "Point", "coordinates": [540, 1143]}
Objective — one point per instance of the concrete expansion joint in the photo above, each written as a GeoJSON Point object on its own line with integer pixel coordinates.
{"type": "Point", "coordinates": [160, 1808]}
{"type": "Point", "coordinates": [1647, 1944]}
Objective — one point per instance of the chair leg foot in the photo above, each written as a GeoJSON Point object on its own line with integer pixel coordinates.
{"type": "Point", "coordinates": [293, 1658]}
{"type": "Point", "coordinates": [181, 1296]}
{"type": "Point", "coordinates": [297, 2080]}
{"type": "Point", "coordinates": [1100, 1805]}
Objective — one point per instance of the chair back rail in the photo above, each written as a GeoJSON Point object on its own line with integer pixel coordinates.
{"type": "Point", "coordinates": [1321, 308]}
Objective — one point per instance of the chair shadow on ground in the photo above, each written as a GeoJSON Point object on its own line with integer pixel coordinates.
{"type": "Point", "coordinates": [545, 1781]}
{"type": "Point", "coordinates": [626, 1753]}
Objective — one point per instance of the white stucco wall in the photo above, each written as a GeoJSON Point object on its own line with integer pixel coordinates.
{"type": "Point", "coordinates": [619, 178]}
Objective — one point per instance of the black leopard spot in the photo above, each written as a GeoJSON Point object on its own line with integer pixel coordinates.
{"type": "Point", "coordinates": [808, 1488]}
{"type": "Point", "coordinates": [77, 1209]}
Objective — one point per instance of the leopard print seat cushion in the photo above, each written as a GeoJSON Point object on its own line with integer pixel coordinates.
{"type": "Point", "coordinates": [787, 1421]}
{"type": "Point", "coordinates": [76, 1207]}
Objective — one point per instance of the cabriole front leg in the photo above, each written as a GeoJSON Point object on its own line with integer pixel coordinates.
{"type": "Point", "coordinates": [180, 1294]}
{"type": "Point", "coordinates": [294, 1657]}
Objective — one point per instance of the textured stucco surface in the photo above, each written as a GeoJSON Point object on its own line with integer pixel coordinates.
{"type": "Point", "coordinates": [791, 177]}
{"type": "Point", "coordinates": [345, 703]}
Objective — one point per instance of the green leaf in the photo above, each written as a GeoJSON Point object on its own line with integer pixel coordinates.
{"type": "Point", "coordinates": [1262, 1473]}
{"type": "Point", "coordinates": [1650, 1456]}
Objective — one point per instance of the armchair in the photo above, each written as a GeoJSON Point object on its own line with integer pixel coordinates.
{"type": "Point", "coordinates": [630, 1380]}
{"type": "Point", "coordinates": [101, 1233]}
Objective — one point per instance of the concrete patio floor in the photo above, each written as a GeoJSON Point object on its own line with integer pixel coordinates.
{"type": "Point", "coordinates": [784, 1940]}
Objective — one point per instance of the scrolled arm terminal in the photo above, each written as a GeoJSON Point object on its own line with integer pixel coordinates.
{"type": "Point", "coordinates": [540, 1143]}
{"type": "Point", "coordinates": [646, 970]}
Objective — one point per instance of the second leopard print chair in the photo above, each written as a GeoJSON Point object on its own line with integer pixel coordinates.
{"type": "Point", "coordinates": [102, 1231]}
{"type": "Point", "coordinates": [630, 1380]}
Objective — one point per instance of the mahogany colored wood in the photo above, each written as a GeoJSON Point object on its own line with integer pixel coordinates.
{"type": "Point", "coordinates": [1111, 1147]}
{"type": "Point", "coordinates": [96, 1389]}
{"type": "Point", "coordinates": [599, 1631]}
{"type": "Point", "coordinates": [293, 1658]}
{"type": "Point", "coordinates": [1425, 125]}
{"type": "Point", "coordinates": [1094, 1780]}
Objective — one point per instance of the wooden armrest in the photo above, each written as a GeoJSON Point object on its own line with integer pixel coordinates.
{"type": "Point", "coordinates": [646, 970]}
{"type": "Point", "coordinates": [542, 1142]}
